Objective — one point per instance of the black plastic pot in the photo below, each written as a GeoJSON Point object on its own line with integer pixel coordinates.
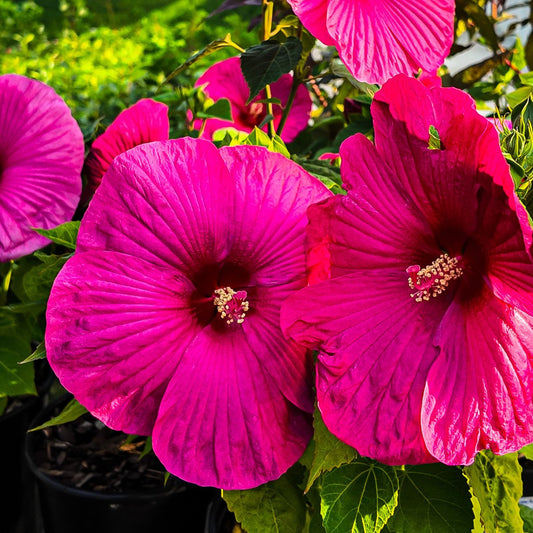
{"type": "Point", "coordinates": [16, 503]}
{"type": "Point", "coordinates": [179, 507]}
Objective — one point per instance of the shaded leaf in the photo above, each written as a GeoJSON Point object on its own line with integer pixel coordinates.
{"type": "Point", "coordinates": [359, 497]}
{"type": "Point", "coordinates": [323, 170]}
{"type": "Point", "coordinates": [275, 507]}
{"type": "Point", "coordinates": [15, 379]}
{"type": "Point", "coordinates": [329, 451]}
{"type": "Point", "coordinates": [433, 498]}
{"type": "Point", "coordinates": [526, 513]}
{"type": "Point", "coordinates": [265, 63]}
{"type": "Point", "coordinates": [72, 411]}
{"type": "Point", "coordinates": [39, 353]}
{"type": "Point", "coordinates": [497, 483]}
{"type": "Point", "coordinates": [220, 109]}
{"type": "Point", "coordinates": [234, 4]}
{"type": "Point", "coordinates": [38, 280]}
{"type": "Point", "coordinates": [65, 234]}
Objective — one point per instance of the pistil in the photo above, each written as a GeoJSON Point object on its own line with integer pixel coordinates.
{"type": "Point", "coordinates": [433, 279]}
{"type": "Point", "coordinates": [231, 305]}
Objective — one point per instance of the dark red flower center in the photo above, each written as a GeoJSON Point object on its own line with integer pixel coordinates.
{"type": "Point", "coordinates": [253, 114]}
{"type": "Point", "coordinates": [433, 279]}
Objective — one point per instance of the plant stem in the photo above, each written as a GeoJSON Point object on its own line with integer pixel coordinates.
{"type": "Point", "coordinates": [288, 105]}
{"type": "Point", "coordinates": [268, 9]}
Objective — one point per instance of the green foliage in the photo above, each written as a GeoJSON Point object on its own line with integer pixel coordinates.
{"type": "Point", "coordinates": [433, 498]}
{"type": "Point", "coordinates": [70, 412]}
{"type": "Point", "coordinates": [359, 497]}
{"type": "Point", "coordinates": [496, 482]}
{"type": "Point", "coordinates": [265, 63]}
{"type": "Point", "coordinates": [64, 235]}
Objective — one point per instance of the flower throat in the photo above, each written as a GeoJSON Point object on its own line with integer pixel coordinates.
{"type": "Point", "coordinates": [433, 279]}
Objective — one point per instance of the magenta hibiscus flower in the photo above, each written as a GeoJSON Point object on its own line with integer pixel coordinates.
{"type": "Point", "coordinates": [377, 39]}
{"type": "Point", "coordinates": [425, 320]}
{"type": "Point", "coordinates": [225, 80]}
{"type": "Point", "coordinates": [41, 155]}
{"type": "Point", "coordinates": [143, 122]}
{"type": "Point", "coordinates": [166, 320]}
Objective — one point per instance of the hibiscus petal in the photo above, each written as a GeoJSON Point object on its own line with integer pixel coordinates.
{"type": "Point", "coordinates": [376, 348]}
{"type": "Point", "coordinates": [223, 421]}
{"type": "Point", "coordinates": [479, 389]}
{"type": "Point", "coordinates": [145, 121]}
{"type": "Point", "coordinates": [41, 155]}
{"type": "Point", "coordinates": [382, 38]}
{"type": "Point", "coordinates": [116, 328]}
{"type": "Point", "coordinates": [269, 220]}
{"type": "Point", "coordinates": [166, 194]}
{"type": "Point", "coordinates": [313, 14]}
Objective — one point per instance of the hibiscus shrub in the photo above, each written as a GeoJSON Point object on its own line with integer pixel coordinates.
{"type": "Point", "coordinates": [297, 257]}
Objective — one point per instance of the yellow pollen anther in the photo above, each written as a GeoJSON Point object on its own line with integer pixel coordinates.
{"type": "Point", "coordinates": [434, 279]}
{"type": "Point", "coordinates": [231, 305]}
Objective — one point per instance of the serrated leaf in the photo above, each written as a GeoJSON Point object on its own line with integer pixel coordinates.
{"type": "Point", "coordinates": [72, 411]}
{"type": "Point", "coordinates": [275, 507]}
{"type": "Point", "coordinates": [433, 498]}
{"type": "Point", "coordinates": [496, 482]}
{"type": "Point", "coordinates": [329, 451]}
{"type": "Point", "coordinates": [265, 63]}
{"type": "Point", "coordinates": [38, 281]}
{"type": "Point", "coordinates": [359, 497]}
{"type": "Point", "coordinates": [221, 109]}
{"type": "Point", "coordinates": [65, 234]}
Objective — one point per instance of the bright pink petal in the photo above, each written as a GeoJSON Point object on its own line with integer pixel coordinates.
{"type": "Point", "coordinates": [313, 14]}
{"type": "Point", "coordinates": [116, 329]}
{"type": "Point", "coordinates": [479, 389]}
{"type": "Point", "coordinates": [373, 362]}
{"type": "Point", "coordinates": [378, 39]}
{"type": "Point", "coordinates": [223, 421]}
{"type": "Point", "coordinates": [145, 121]}
{"type": "Point", "coordinates": [41, 155]}
{"type": "Point", "coordinates": [166, 194]}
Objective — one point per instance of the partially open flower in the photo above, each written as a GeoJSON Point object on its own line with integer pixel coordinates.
{"type": "Point", "coordinates": [145, 121]}
{"type": "Point", "coordinates": [166, 320]}
{"type": "Point", "coordinates": [377, 39]}
{"type": "Point", "coordinates": [225, 80]}
{"type": "Point", "coordinates": [41, 155]}
{"type": "Point", "coordinates": [424, 316]}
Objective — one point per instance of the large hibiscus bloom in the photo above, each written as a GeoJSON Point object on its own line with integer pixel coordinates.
{"type": "Point", "coordinates": [425, 319]}
{"type": "Point", "coordinates": [145, 121]}
{"type": "Point", "coordinates": [377, 39]}
{"type": "Point", "coordinates": [166, 320]}
{"type": "Point", "coordinates": [225, 80]}
{"type": "Point", "coordinates": [41, 155]}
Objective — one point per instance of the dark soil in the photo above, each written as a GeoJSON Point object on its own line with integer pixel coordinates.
{"type": "Point", "coordinates": [87, 455]}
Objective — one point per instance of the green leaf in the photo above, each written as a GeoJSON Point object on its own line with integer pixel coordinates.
{"type": "Point", "coordinates": [433, 498]}
{"type": "Point", "coordinates": [65, 234]}
{"type": "Point", "coordinates": [15, 379]}
{"type": "Point", "coordinates": [221, 109]}
{"type": "Point", "coordinates": [265, 63]}
{"type": "Point", "coordinates": [72, 411]}
{"type": "Point", "coordinates": [434, 139]}
{"type": "Point", "coordinates": [526, 513]}
{"type": "Point", "coordinates": [497, 483]}
{"type": "Point", "coordinates": [275, 507]}
{"type": "Point", "coordinates": [38, 281]}
{"type": "Point", "coordinates": [329, 451]}
{"type": "Point", "coordinates": [527, 451]}
{"type": "Point", "coordinates": [515, 97]}
{"type": "Point", "coordinates": [39, 353]}
{"type": "Point", "coordinates": [323, 170]}
{"type": "Point", "coordinates": [359, 497]}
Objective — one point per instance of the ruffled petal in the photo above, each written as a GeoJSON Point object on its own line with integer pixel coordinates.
{"type": "Point", "coordinates": [376, 349]}
{"type": "Point", "coordinates": [145, 121]}
{"type": "Point", "coordinates": [479, 389]}
{"type": "Point", "coordinates": [166, 206]}
{"type": "Point", "coordinates": [116, 329]}
{"type": "Point", "coordinates": [313, 15]}
{"type": "Point", "coordinates": [41, 156]}
{"type": "Point", "coordinates": [382, 38]}
{"type": "Point", "coordinates": [223, 421]}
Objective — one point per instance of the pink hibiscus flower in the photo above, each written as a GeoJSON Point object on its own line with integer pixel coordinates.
{"type": "Point", "coordinates": [41, 156]}
{"type": "Point", "coordinates": [377, 39]}
{"type": "Point", "coordinates": [166, 320]}
{"type": "Point", "coordinates": [225, 80]}
{"type": "Point", "coordinates": [143, 122]}
{"type": "Point", "coordinates": [425, 320]}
